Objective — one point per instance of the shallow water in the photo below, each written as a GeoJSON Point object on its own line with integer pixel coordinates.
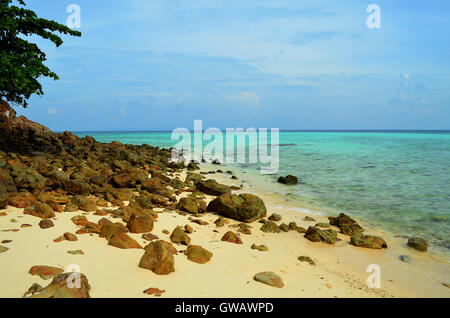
{"type": "Point", "coordinates": [398, 181]}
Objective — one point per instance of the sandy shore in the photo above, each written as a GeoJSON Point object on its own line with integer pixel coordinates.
{"type": "Point", "coordinates": [340, 269]}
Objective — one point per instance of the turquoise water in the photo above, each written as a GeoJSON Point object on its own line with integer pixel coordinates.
{"type": "Point", "coordinates": [399, 181]}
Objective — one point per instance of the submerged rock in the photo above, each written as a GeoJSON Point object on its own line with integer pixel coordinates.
{"type": "Point", "coordinates": [289, 179]}
{"type": "Point", "coordinates": [269, 278]}
{"type": "Point", "coordinates": [315, 234]}
{"type": "Point", "coordinates": [243, 207]}
{"type": "Point", "coordinates": [418, 244]}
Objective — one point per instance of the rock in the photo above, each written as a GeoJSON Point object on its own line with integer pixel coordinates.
{"type": "Point", "coordinates": [275, 217]}
{"type": "Point", "coordinates": [79, 220]}
{"type": "Point", "coordinates": [243, 207]}
{"type": "Point", "coordinates": [46, 223]}
{"type": "Point", "coordinates": [83, 203]}
{"type": "Point", "coordinates": [270, 227]}
{"type": "Point", "coordinates": [261, 248]}
{"type": "Point", "coordinates": [140, 223]}
{"type": "Point", "coordinates": [293, 226]}
{"type": "Point", "coordinates": [346, 224]}
{"type": "Point", "coordinates": [220, 222]}
{"type": "Point", "coordinates": [158, 257]}
{"type": "Point", "coordinates": [3, 249]}
{"type": "Point", "coordinates": [77, 187]}
{"type": "Point", "coordinates": [368, 241]}
{"type": "Point", "coordinates": [152, 185]}
{"type": "Point", "coordinates": [317, 235]}
{"type": "Point", "coordinates": [323, 225]}
{"type": "Point", "coordinates": [4, 197]}
{"type": "Point", "coordinates": [154, 291]}
{"type": "Point", "coordinates": [198, 254]}
{"type": "Point", "coordinates": [70, 237]}
{"type": "Point", "coordinates": [40, 210]}
{"type": "Point", "coordinates": [65, 286]}
{"type": "Point", "coordinates": [309, 219]}
{"type": "Point", "coordinates": [149, 237]}
{"type": "Point", "coordinates": [108, 230]}
{"type": "Point", "coordinates": [405, 258]}
{"type": "Point", "coordinates": [188, 229]}
{"type": "Point", "coordinates": [188, 204]}
{"type": "Point", "coordinates": [122, 240]}
{"type": "Point", "coordinates": [76, 252]}
{"type": "Point", "coordinates": [269, 278]}
{"type": "Point", "coordinates": [306, 259]}
{"type": "Point", "coordinates": [418, 243]}
{"type": "Point", "coordinates": [179, 236]}
{"type": "Point", "coordinates": [231, 237]}
{"type": "Point", "coordinates": [289, 179]}
{"type": "Point", "coordinates": [45, 272]}
{"type": "Point", "coordinates": [92, 227]}
{"type": "Point", "coordinates": [212, 187]}
{"type": "Point", "coordinates": [284, 227]}
{"type": "Point", "coordinates": [192, 166]}
{"type": "Point", "coordinates": [22, 200]}
{"type": "Point", "coordinates": [35, 288]}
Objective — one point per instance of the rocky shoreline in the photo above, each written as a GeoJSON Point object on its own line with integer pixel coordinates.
{"type": "Point", "coordinates": [128, 189]}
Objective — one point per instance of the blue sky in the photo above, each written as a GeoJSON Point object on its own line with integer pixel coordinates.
{"type": "Point", "coordinates": [160, 64]}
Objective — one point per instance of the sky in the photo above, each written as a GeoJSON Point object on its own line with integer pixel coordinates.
{"type": "Point", "coordinates": [161, 64]}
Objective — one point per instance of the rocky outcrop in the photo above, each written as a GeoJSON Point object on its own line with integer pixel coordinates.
{"type": "Point", "coordinates": [21, 135]}
{"type": "Point", "coordinates": [243, 207]}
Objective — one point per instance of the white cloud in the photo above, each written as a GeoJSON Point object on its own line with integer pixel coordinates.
{"type": "Point", "coordinates": [52, 111]}
{"type": "Point", "coordinates": [248, 98]}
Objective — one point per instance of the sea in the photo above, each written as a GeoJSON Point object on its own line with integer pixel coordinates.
{"type": "Point", "coordinates": [398, 181]}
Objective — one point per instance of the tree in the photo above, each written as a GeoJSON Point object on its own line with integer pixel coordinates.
{"type": "Point", "coordinates": [22, 62]}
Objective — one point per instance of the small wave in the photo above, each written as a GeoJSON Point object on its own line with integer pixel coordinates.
{"type": "Point", "coordinates": [302, 210]}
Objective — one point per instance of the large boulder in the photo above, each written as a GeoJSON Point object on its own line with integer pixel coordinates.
{"type": "Point", "coordinates": [243, 207]}
{"type": "Point", "coordinates": [368, 241]}
{"type": "Point", "coordinates": [158, 257]}
{"type": "Point", "coordinates": [346, 224]}
{"type": "Point", "coordinates": [315, 234]}
{"type": "Point", "coordinates": [212, 187]}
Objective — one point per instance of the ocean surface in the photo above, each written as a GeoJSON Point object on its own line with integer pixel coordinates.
{"type": "Point", "coordinates": [396, 181]}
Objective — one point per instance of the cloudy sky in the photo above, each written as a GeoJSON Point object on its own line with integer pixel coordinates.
{"type": "Point", "coordinates": [289, 64]}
